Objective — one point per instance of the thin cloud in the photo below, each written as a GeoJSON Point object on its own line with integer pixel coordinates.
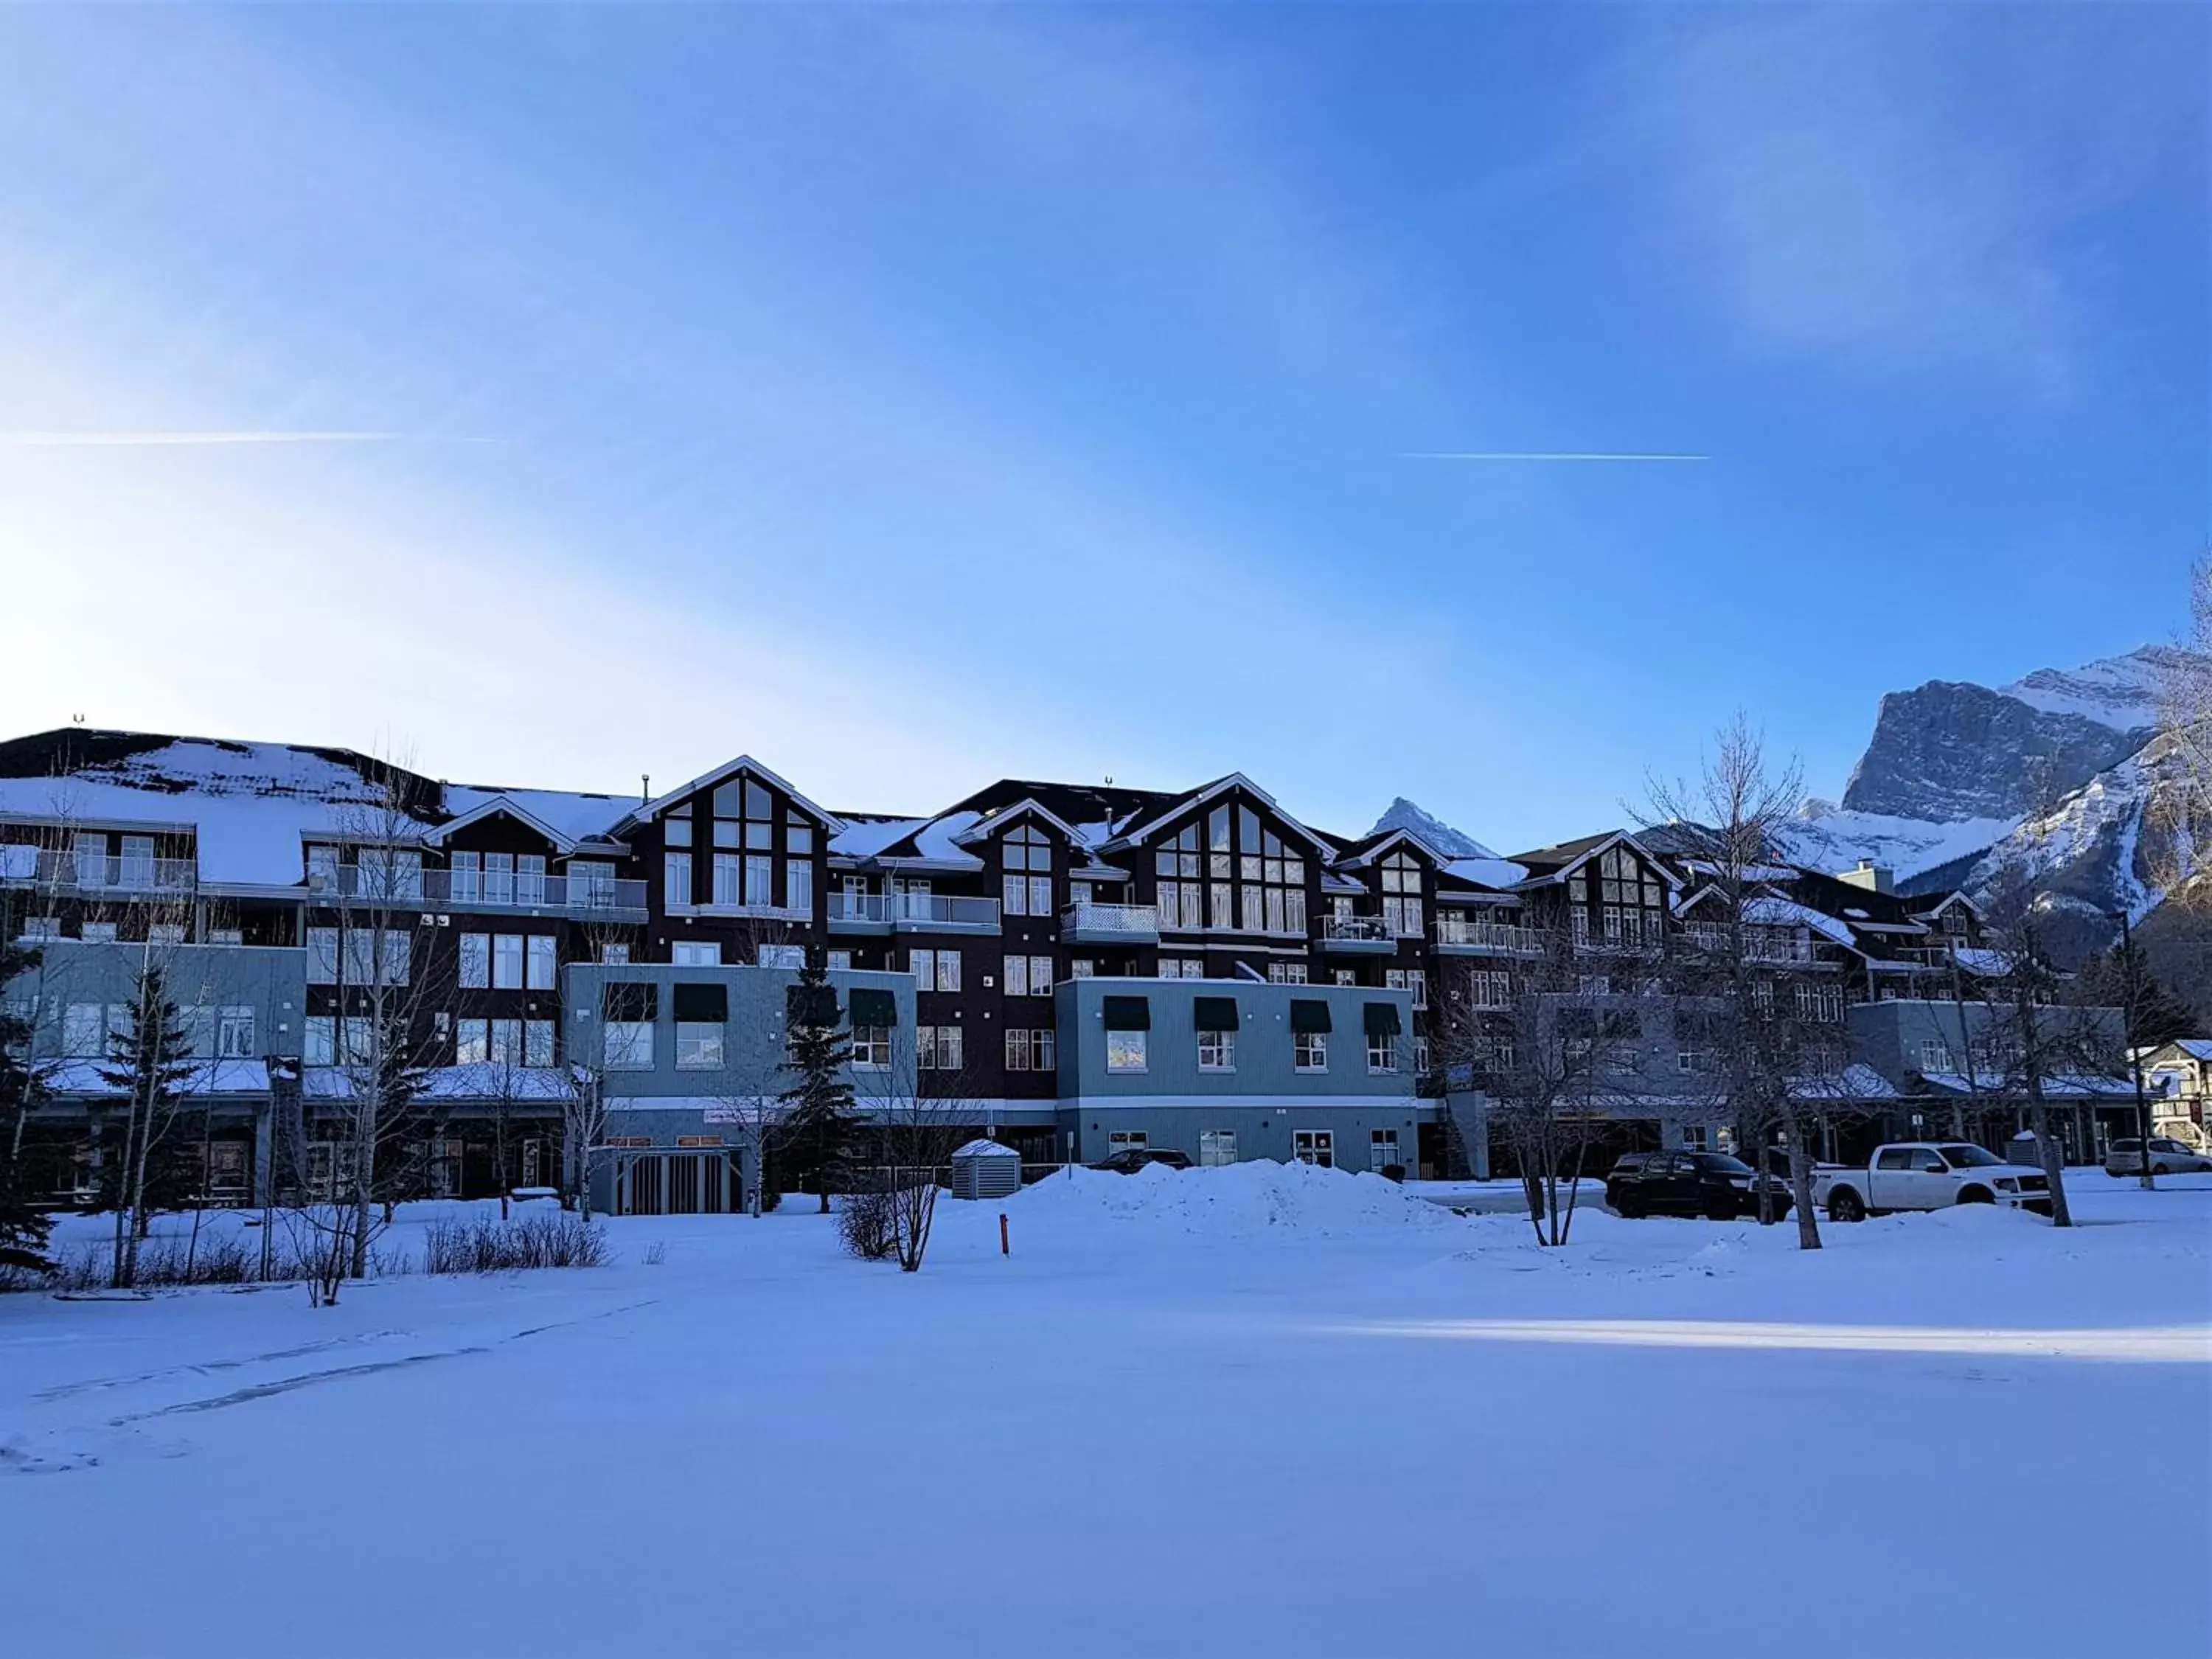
{"type": "Point", "coordinates": [1540, 455]}
{"type": "Point", "coordinates": [164, 440]}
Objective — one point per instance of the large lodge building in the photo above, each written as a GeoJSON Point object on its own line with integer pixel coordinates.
{"type": "Point", "coordinates": [1072, 968]}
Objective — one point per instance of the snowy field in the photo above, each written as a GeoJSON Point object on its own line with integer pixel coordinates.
{"type": "Point", "coordinates": [1259, 1410]}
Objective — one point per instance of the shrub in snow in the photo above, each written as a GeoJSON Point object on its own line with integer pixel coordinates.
{"type": "Point", "coordinates": [545, 1239]}
{"type": "Point", "coordinates": [867, 1224]}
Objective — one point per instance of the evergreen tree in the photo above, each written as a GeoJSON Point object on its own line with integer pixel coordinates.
{"type": "Point", "coordinates": [820, 1126]}
{"type": "Point", "coordinates": [23, 1228]}
{"type": "Point", "coordinates": [2122, 979]}
{"type": "Point", "coordinates": [150, 1062]}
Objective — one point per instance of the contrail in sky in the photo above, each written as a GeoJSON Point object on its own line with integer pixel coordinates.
{"type": "Point", "coordinates": [164, 440]}
{"type": "Point", "coordinates": [1536, 455]}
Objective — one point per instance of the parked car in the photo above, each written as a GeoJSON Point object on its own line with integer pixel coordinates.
{"type": "Point", "coordinates": [1928, 1175]}
{"type": "Point", "coordinates": [1711, 1184]}
{"type": "Point", "coordinates": [1130, 1159]}
{"type": "Point", "coordinates": [2125, 1157]}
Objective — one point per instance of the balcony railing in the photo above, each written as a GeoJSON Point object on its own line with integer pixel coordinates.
{"type": "Point", "coordinates": [944, 910]}
{"type": "Point", "coordinates": [1509, 939]}
{"type": "Point", "coordinates": [1759, 943]}
{"type": "Point", "coordinates": [475, 890]}
{"type": "Point", "coordinates": [1137, 920]}
{"type": "Point", "coordinates": [1362, 929]}
{"type": "Point", "coordinates": [861, 907]}
{"type": "Point", "coordinates": [116, 877]}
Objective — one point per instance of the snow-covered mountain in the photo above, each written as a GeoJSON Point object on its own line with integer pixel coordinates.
{"type": "Point", "coordinates": [2064, 766]}
{"type": "Point", "coordinates": [1403, 814]}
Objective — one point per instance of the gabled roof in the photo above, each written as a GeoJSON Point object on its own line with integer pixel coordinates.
{"type": "Point", "coordinates": [984, 828]}
{"type": "Point", "coordinates": [727, 769]}
{"type": "Point", "coordinates": [1179, 805]}
{"type": "Point", "coordinates": [1369, 848]}
{"type": "Point", "coordinates": [1555, 863]}
{"type": "Point", "coordinates": [495, 806]}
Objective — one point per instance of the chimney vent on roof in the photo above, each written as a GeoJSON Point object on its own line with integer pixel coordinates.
{"type": "Point", "coordinates": [1875, 878]}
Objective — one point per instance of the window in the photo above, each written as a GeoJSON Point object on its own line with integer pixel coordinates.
{"type": "Point", "coordinates": [1633, 900]}
{"type": "Point", "coordinates": [507, 962]}
{"type": "Point", "coordinates": [696, 953]}
{"type": "Point", "coordinates": [1490, 987]}
{"type": "Point", "coordinates": [1382, 1151]}
{"type": "Point", "coordinates": [615, 956]}
{"type": "Point", "coordinates": [728, 878]}
{"type": "Point", "coordinates": [1030, 1050]}
{"type": "Point", "coordinates": [780, 955]}
{"type": "Point", "coordinates": [1125, 1051]}
{"type": "Point", "coordinates": [385, 962]}
{"type": "Point", "coordinates": [167, 932]}
{"type": "Point", "coordinates": [506, 1042]}
{"type": "Point", "coordinates": [628, 1045]}
{"type": "Point", "coordinates": [872, 1049]}
{"type": "Point", "coordinates": [1216, 1147]}
{"type": "Point", "coordinates": [499, 878]}
{"type": "Point", "coordinates": [1694, 1137]}
{"type": "Point", "coordinates": [1025, 858]}
{"type": "Point", "coordinates": [234, 1034]}
{"type": "Point", "coordinates": [96, 933]}
{"type": "Point", "coordinates": [1408, 979]}
{"type": "Point", "coordinates": [1181, 968]}
{"type": "Point", "coordinates": [1217, 1051]}
{"type": "Point", "coordinates": [841, 962]}
{"type": "Point", "coordinates": [698, 1045]}
{"type": "Point", "coordinates": [940, 1048]}
{"type": "Point", "coordinates": [318, 1043]}
{"type": "Point", "coordinates": [1316, 1146]}
{"type": "Point", "coordinates": [226, 936]}
{"type": "Point", "coordinates": [939, 971]}
{"type": "Point", "coordinates": [541, 964]}
{"type": "Point", "coordinates": [84, 1030]}
{"type": "Point", "coordinates": [1123, 1137]}
{"type": "Point", "coordinates": [675, 878]}
{"type": "Point", "coordinates": [1029, 977]}
{"type": "Point", "coordinates": [676, 831]}
{"type": "Point", "coordinates": [1820, 1005]}
{"type": "Point", "coordinates": [1345, 977]}
{"type": "Point", "coordinates": [760, 880]}
{"type": "Point", "coordinates": [1935, 1056]}
{"type": "Point", "coordinates": [529, 878]}
{"type": "Point", "coordinates": [591, 883]}
{"type": "Point", "coordinates": [1178, 894]}
{"type": "Point", "coordinates": [322, 956]}
{"type": "Point", "coordinates": [1082, 968]}
{"type": "Point", "coordinates": [1286, 973]}
{"type": "Point", "coordinates": [1309, 1050]}
{"type": "Point", "coordinates": [1762, 998]}
{"type": "Point", "coordinates": [1401, 895]}
{"type": "Point", "coordinates": [1381, 1053]}
{"type": "Point", "coordinates": [537, 1043]}
{"type": "Point", "coordinates": [465, 882]}
{"type": "Point", "coordinates": [471, 1041]}
{"type": "Point", "coordinates": [798, 880]}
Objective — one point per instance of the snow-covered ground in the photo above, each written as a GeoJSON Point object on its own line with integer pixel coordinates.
{"type": "Point", "coordinates": [1255, 1410]}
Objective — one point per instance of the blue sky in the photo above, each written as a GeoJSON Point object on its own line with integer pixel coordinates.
{"type": "Point", "coordinates": [911, 396]}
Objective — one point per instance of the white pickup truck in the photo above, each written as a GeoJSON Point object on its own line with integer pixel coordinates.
{"type": "Point", "coordinates": [1928, 1175]}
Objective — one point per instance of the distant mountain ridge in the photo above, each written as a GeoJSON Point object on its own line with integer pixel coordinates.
{"type": "Point", "coordinates": [1403, 814]}
{"type": "Point", "coordinates": [2064, 766]}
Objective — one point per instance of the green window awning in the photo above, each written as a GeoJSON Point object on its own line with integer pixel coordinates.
{"type": "Point", "coordinates": [1215, 1013]}
{"type": "Point", "coordinates": [1383, 1019]}
{"type": "Point", "coordinates": [1128, 1014]}
{"type": "Point", "coordinates": [703, 1003]}
{"type": "Point", "coordinates": [630, 1001]}
{"type": "Point", "coordinates": [1308, 1016]}
{"type": "Point", "coordinates": [811, 1005]}
{"type": "Point", "coordinates": [876, 1010]}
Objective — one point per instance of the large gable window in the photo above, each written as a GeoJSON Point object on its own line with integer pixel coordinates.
{"type": "Point", "coordinates": [1025, 858]}
{"type": "Point", "coordinates": [1401, 895]}
{"type": "Point", "coordinates": [1631, 898]}
{"type": "Point", "coordinates": [1180, 895]}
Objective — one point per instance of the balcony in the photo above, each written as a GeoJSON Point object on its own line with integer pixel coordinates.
{"type": "Point", "coordinates": [887, 912]}
{"type": "Point", "coordinates": [1110, 924]}
{"type": "Point", "coordinates": [1358, 936]}
{"type": "Point", "coordinates": [1759, 943]}
{"type": "Point", "coordinates": [100, 878]}
{"type": "Point", "coordinates": [524, 891]}
{"type": "Point", "coordinates": [1458, 935]}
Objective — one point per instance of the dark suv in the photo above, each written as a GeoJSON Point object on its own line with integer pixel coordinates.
{"type": "Point", "coordinates": [1711, 1184]}
{"type": "Point", "coordinates": [1130, 1159]}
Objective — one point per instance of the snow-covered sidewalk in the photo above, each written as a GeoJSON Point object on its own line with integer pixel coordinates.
{"type": "Point", "coordinates": [1240, 1410]}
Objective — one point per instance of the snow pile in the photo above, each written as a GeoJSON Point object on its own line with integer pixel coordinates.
{"type": "Point", "coordinates": [1256, 1200]}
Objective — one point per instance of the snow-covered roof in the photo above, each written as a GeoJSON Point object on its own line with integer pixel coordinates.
{"type": "Point", "coordinates": [1488, 872]}
{"type": "Point", "coordinates": [1770, 910]}
{"type": "Point", "coordinates": [865, 840]}
{"type": "Point", "coordinates": [981, 1148]}
{"type": "Point", "coordinates": [562, 814]}
{"type": "Point", "coordinates": [1856, 1081]}
{"type": "Point", "coordinates": [2071, 1085]}
{"type": "Point", "coordinates": [1980, 962]}
{"type": "Point", "coordinates": [207, 1077]}
{"type": "Point", "coordinates": [489, 1080]}
{"type": "Point", "coordinates": [250, 806]}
